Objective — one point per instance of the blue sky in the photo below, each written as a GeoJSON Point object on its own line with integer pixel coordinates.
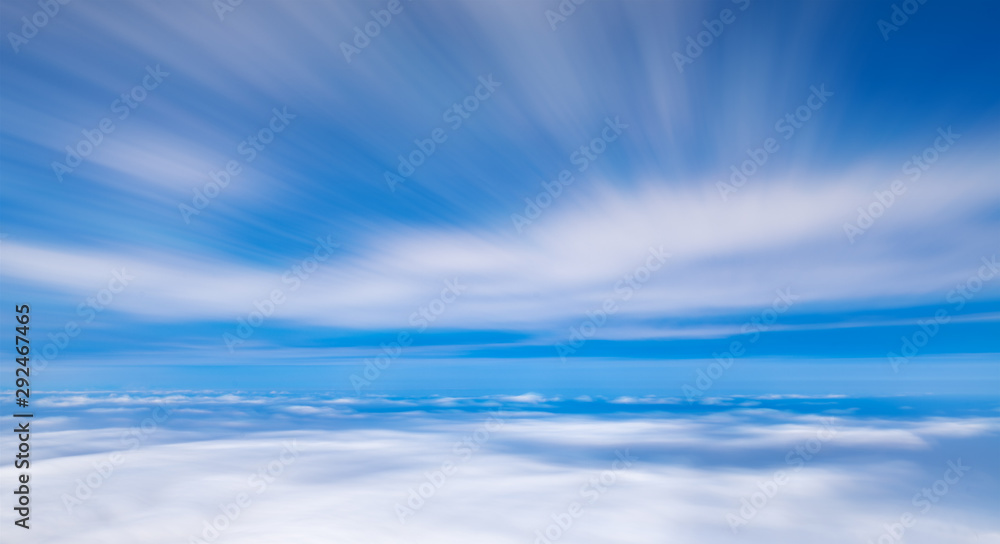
{"type": "Point", "coordinates": [488, 303]}
{"type": "Point", "coordinates": [431, 283]}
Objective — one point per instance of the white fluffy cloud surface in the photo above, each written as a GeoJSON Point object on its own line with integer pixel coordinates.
{"type": "Point", "coordinates": [242, 469]}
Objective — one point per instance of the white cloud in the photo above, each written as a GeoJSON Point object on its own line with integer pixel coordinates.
{"type": "Point", "coordinates": [344, 482]}
{"type": "Point", "coordinates": [725, 255]}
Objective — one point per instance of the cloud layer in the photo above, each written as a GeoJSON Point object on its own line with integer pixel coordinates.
{"type": "Point", "coordinates": [314, 469]}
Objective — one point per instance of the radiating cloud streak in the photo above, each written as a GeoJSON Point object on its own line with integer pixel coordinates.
{"type": "Point", "coordinates": [654, 184]}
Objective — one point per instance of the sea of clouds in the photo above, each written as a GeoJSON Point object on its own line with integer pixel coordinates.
{"type": "Point", "coordinates": [211, 467]}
